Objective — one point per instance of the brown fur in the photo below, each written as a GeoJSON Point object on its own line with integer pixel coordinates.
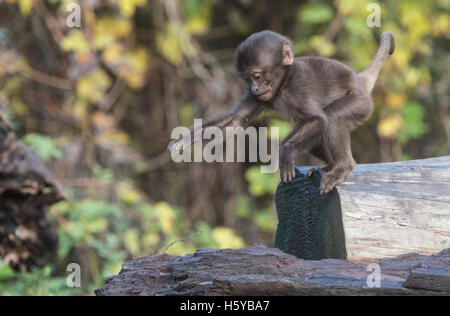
{"type": "Point", "coordinates": [325, 98]}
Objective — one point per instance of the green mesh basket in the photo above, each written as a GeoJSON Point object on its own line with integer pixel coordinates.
{"type": "Point", "coordinates": [310, 225]}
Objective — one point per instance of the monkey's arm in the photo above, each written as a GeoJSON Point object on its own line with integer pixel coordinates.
{"type": "Point", "coordinates": [243, 110]}
{"type": "Point", "coordinates": [308, 132]}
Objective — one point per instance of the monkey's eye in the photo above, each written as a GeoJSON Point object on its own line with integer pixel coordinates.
{"type": "Point", "coordinates": [256, 76]}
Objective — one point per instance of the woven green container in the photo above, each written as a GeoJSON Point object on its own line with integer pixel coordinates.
{"type": "Point", "coordinates": [310, 225]}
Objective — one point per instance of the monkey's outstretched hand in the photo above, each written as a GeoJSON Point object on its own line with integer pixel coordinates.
{"type": "Point", "coordinates": [180, 144]}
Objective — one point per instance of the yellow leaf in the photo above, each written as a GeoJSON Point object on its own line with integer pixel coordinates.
{"type": "Point", "coordinates": [396, 100]}
{"type": "Point", "coordinates": [198, 25]}
{"type": "Point", "coordinates": [25, 7]}
{"type": "Point", "coordinates": [402, 56]}
{"type": "Point", "coordinates": [322, 46]}
{"type": "Point", "coordinates": [441, 25]}
{"type": "Point", "coordinates": [109, 29]}
{"type": "Point", "coordinates": [131, 241]}
{"type": "Point", "coordinates": [151, 239]}
{"type": "Point", "coordinates": [80, 108]}
{"type": "Point", "coordinates": [128, 195]}
{"type": "Point", "coordinates": [200, 21]}
{"type": "Point", "coordinates": [389, 126]}
{"type": "Point", "coordinates": [131, 65]}
{"type": "Point", "coordinates": [166, 217]}
{"type": "Point", "coordinates": [75, 42]}
{"type": "Point", "coordinates": [354, 7]}
{"type": "Point", "coordinates": [93, 86]}
{"type": "Point", "coordinates": [226, 238]}
{"type": "Point", "coordinates": [127, 7]}
{"type": "Point", "coordinates": [113, 53]}
{"type": "Point", "coordinates": [168, 44]}
{"type": "Point", "coordinates": [18, 107]}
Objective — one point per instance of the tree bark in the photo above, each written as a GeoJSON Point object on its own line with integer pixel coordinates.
{"type": "Point", "coordinates": [26, 190]}
{"type": "Point", "coordinates": [258, 270]}
{"type": "Point", "coordinates": [382, 210]}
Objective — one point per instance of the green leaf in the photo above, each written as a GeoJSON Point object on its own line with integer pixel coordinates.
{"type": "Point", "coordinates": [192, 7]}
{"type": "Point", "coordinates": [204, 239]}
{"type": "Point", "coordinates": [284, 127]}
{"type": "Point", "coordinates": [357, 26]}
{"type": "Point", "coordinates": [6, 272]}
{"type": "Point", "coordinates": [413, 126]}
{"type": "Point", "coordinates": [261, 183]}
{"type": "Point", "coordinates": [44, 146]}
{"type": "Point", "coordinates": [243, 207]}
{"type": "Point", "coordinates": [315, 14]}
{"type": "Point", "coordinates": [265, 221]}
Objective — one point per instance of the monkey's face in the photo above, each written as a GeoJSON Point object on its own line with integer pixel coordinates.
{"type": "Point", "coordinates": [260, 83]}
{"type": "Point", "coordinates": [261, 60]}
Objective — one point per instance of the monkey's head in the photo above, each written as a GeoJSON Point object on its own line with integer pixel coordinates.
{"type": "Point", "coordinates": [262, 60]}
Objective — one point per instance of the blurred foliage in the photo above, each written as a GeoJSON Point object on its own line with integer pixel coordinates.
{"type": "Point", "coordinates": [98, 103]}
{"type": "Point", "coordinates": [38, 282]}
{"type": "Point", "coordinates": [44, 146]}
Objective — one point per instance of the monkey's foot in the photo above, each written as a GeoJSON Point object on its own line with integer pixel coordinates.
{"type": "Point", "coordinates": [322, 170]}
{"type": "Point", "coordinates": [326, 168]}
{"type": "Point", "coordinates": [332, 179]}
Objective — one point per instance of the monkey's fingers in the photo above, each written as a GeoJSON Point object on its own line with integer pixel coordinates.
{"type": "Point", "coordinates": [174, 146]}
{"type": "Point", "coordinates": [292, 174]}
{"type": "Point", "coordinates": [170, 146]}
{"type": "Point", "coordinates": [179, 145]}
{"type": "Point", "coordinates": [287, 174]}
{"type": "Point", "coordinates": [284, 175]}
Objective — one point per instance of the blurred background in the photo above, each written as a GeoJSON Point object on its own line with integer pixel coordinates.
{"type": "Point", "coordinates": [98, 104]}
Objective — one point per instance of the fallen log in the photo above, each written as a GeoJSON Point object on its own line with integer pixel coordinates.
{"type": "Point", "coordinates": [26, 190]}
{"type": "Point", "coordinates": [381, 211]}
{"type": "Point", "coordinates": [258, 270]}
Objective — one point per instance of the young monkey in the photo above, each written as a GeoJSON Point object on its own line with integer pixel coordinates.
{"type": "Point", "coordinates": [325, 98]}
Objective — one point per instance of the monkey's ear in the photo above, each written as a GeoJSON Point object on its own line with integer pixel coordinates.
{"type": "Point", "coordinates": [288, 55]}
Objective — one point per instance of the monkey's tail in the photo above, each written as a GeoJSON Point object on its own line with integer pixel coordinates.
{"type": "Point", "coordinates": [387, 47]}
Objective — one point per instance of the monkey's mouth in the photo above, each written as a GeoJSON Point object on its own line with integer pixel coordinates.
{"type": "Point", "coordinates": [265, 95]}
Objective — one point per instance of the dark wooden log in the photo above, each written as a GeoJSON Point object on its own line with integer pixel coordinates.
{"type": "Point", "coordinates": [387, 209]}
{"type": "Point", "coordinates": [26, 190]}
{"type": "Point", "coordinates": [433, 279]}
{"type": "Point", "coordinates": [258, 270]}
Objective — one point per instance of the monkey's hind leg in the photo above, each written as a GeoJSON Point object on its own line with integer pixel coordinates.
{"type": "Point", "coordinates": [351, 110]}
{"type": "Point", "coordinates": [323, 154]}
{"type": "Point", "coordinates": [343, 161]}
